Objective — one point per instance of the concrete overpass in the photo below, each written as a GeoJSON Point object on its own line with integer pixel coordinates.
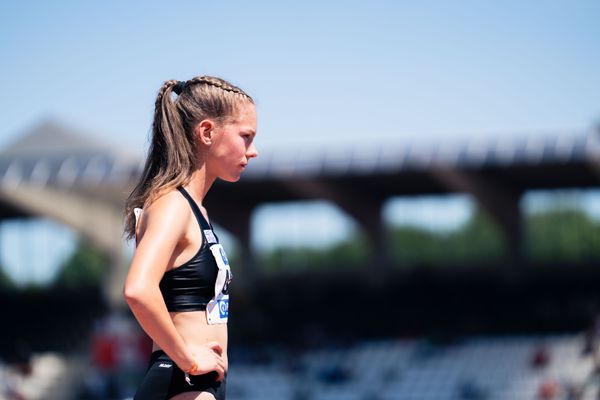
{"type": "Point", "coordinates": [65, 175]}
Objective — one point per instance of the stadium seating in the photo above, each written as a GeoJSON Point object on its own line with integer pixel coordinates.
{"type": "Point", "coordinates": [473, 368]}
{"type": "Point", "coordinates": [494, 368]}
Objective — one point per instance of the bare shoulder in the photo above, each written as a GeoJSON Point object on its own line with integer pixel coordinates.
{"type": "Point", "coordinates": [168, 210]}
{"type": "Point", "coordinates": [162, 226]}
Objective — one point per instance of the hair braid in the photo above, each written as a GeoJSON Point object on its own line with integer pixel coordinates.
{"type": "Point", "coordinates": [218, 83]}
{"type": "Point", "coordinates": [167, 86]}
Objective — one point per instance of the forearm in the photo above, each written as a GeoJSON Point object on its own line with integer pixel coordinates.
{"type": "Point", "coordinates": [151, 312]}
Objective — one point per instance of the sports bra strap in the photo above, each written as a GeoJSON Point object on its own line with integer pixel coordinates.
{"type": "Point", "coordinates": [201, 220]}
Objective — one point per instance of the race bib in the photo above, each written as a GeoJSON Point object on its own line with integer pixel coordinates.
{"type": "Point", "coordinates": [217, 309]}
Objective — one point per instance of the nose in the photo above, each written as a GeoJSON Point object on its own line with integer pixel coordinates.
{"type": "Point", "coordinates": [251, 152]}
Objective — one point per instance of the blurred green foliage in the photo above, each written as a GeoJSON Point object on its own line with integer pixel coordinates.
{"type": "Point", "coordinates": [477, 239]}
{"type": "Point", "coordinates": [85, 267]}
{"type": "Point", "coordinates": [564, 235]}
{"type": "Point", "coordinates": [556, 235]}
{"type": "Point", "coordinates": [5, 280]}
{"type": "Point", "coordinates": [348, 254]}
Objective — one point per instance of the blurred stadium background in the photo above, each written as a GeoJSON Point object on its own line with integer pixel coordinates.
{"type": "Point", "coordinates": [386, 265]}
{"type": "Point", "coordinates": [503, 305]}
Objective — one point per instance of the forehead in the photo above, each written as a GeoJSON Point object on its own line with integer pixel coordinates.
{"type": "Point", "coordinates": [245, 115]}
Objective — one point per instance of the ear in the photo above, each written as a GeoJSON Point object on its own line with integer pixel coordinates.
{"type": "Point", "coordinates": [204, 131]}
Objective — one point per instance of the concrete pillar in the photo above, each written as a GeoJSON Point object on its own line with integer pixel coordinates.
{"type": "Point", "coordinates": [368, 212]}
{"type": "Point", "coordinates": [364, 207]}
{"type": "Point", "coordinates": [501, 201]}
{"type": "Point", "coordinates": [96, 220]}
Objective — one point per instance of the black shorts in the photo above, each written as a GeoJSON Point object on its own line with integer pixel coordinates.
{"type": "Point", "coordinates": [164, 380]}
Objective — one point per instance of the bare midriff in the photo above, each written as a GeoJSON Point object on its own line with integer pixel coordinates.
{"type": "Point", "coordinates": [195, 331]}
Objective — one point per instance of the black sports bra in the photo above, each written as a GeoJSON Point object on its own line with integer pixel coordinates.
{"type": "Point", "coordinates": [190, 286]}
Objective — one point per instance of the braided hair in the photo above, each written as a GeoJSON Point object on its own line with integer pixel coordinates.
{"type": "Point", "coordinates": [172, 155]}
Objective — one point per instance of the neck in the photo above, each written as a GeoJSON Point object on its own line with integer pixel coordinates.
{"type": "Point", "coordinates": [201, 182]}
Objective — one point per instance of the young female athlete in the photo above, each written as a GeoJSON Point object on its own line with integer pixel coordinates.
{"type": "Point", "coordinates": [177, 286]}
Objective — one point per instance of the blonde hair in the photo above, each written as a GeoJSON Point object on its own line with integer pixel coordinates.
{"type": "Point", "coordinates": [172, 155]}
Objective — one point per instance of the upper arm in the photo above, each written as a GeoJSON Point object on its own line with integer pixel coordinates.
{"type": "Point", "coordinates": [162, 227]}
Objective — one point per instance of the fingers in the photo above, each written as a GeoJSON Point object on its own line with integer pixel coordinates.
{"type": "Point", "coordinates": [220, 370]}
{"type": "Point", "coordinates": [216, 347]}
{"type": "Point", "coordinates": [210, 359]}
{"type": "Point", "coordinates": [219, 367]}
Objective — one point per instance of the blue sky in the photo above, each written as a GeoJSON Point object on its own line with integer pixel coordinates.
{"type": "Point", "coordinates": [321, 73]}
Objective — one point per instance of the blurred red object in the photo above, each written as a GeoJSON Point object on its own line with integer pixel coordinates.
{"type": "Point", "coordinates": [104, 351]}
{"type": "Point", "coordinates": [548, 389]}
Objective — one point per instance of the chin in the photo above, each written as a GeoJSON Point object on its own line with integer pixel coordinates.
{"type": "Point", "coordinates": [230, 178]}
